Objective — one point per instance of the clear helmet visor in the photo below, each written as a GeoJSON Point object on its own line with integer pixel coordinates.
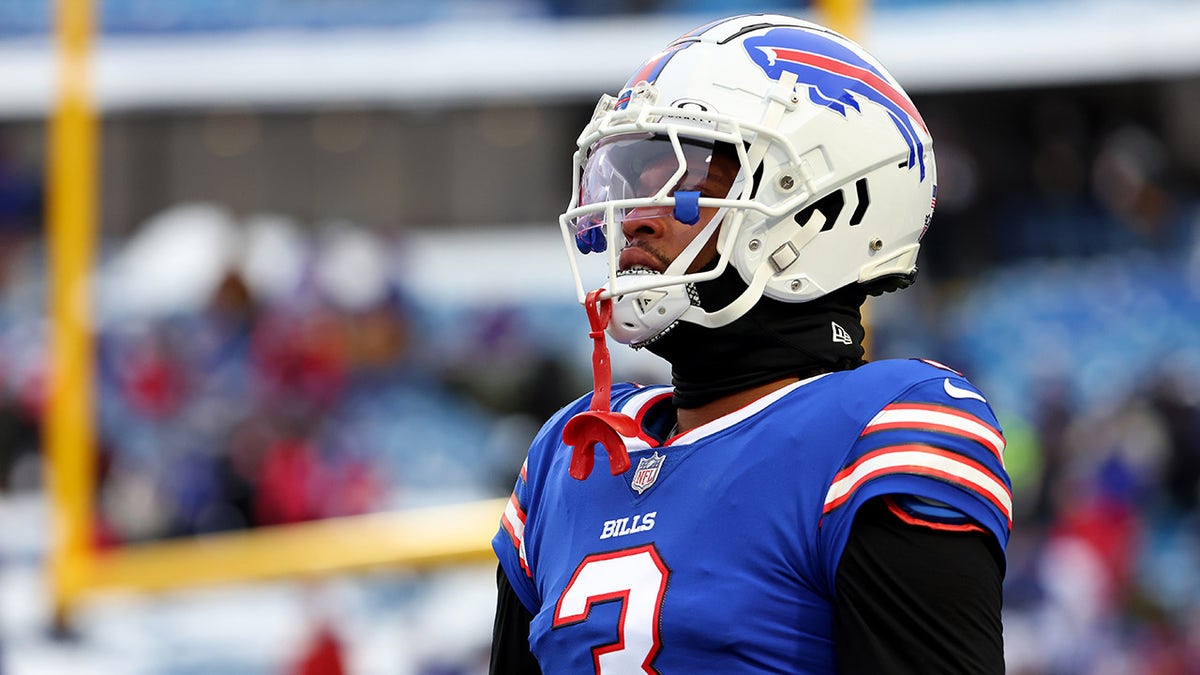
{"type": "Point", "coordinates": [634, 176]}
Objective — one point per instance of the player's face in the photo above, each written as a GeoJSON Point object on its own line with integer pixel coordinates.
{"type": "Point", "coordinates": [653, 237]}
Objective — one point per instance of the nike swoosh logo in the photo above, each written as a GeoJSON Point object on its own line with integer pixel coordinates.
{"type": "Point", "coordinates": [959, 392]}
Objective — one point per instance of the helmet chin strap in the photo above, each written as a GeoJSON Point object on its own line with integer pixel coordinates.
{"type": "Point", "coordinates": [599, 424]}
{"type": "Point", "coordinates": [685, 258]}
{"type": "Point", "coordinates": [754, 290]}
{"type": "Point", "coordinates": [734, 310]}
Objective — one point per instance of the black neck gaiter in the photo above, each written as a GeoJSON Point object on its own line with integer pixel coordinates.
{"type": "Point", "coordinates": [772, 341]}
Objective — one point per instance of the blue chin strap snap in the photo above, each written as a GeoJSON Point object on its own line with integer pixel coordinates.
{"type": "Point", "coordinates": [687, 207]}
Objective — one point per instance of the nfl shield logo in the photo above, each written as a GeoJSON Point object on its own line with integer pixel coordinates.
{"type": "Point", "coordinates": [647, 472]}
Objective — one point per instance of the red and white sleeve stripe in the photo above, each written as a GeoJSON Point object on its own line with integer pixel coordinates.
{"type": "Point", "coordinates": [513, 522]}
{"type": "Point", "coordinates": [938, 418]}
{"type": "Point", "coordinates": [922, 460]}
{"type": "Point", "coordinates": [921, 453]}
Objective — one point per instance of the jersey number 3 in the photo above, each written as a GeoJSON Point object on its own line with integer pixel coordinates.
{"type": "Point", "coordinates": [636, 577]}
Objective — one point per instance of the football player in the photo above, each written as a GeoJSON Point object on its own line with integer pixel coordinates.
{"type": "Point", "coordinates": [783, 506]}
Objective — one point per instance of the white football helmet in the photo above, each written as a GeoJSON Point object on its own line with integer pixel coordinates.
{"type": "Point", "coordinates": [836, 180]}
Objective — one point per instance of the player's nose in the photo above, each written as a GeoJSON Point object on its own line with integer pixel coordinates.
{"type": "Point", "coordinates": [646, 222]}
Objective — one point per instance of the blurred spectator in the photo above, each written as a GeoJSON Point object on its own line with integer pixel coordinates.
{"type": "Point", "coordinates": [324, 655]}
{"type": "Point", "coordinates": [20, 197]}
{"type": "Point", "coordinates": [1174, 396]}
{"type": "Point", "coordinates": [1129, 180]}
{"type": "Point", "coordinates": [19, 443]}
{"type": "Point", "coordinates": [287, 476]}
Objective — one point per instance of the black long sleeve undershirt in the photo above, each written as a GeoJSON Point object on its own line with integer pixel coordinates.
{"type": "Point", "coordinates": [510, 633]}
{"type": "Point", "coordinates": [909, 599]}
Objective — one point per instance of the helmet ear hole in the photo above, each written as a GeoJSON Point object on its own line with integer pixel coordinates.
{"type": "Point", "coordinates": [830, 206]}
{"type": "Point", "coordinates": [864, 200]}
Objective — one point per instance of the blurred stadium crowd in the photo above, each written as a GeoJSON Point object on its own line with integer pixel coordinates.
{"type": "Point", "coordinates": [238, 408]}
{"type": "Point", "coordinates": [1062, 275]}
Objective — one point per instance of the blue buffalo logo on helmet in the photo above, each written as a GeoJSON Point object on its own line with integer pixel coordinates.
{"type": "Point", "coordinates": [835, 76]}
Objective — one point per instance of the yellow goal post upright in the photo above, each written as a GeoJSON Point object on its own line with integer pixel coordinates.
{"type": "Point", "coordinates": [70, 214]}
{"type": "Point", "coordinates": [417, 538]}
{"type": "Point", "coordinates": [420, 538]}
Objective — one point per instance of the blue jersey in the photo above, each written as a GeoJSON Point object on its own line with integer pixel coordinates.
{"type": "Point", "coordinates": [718, 549]}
